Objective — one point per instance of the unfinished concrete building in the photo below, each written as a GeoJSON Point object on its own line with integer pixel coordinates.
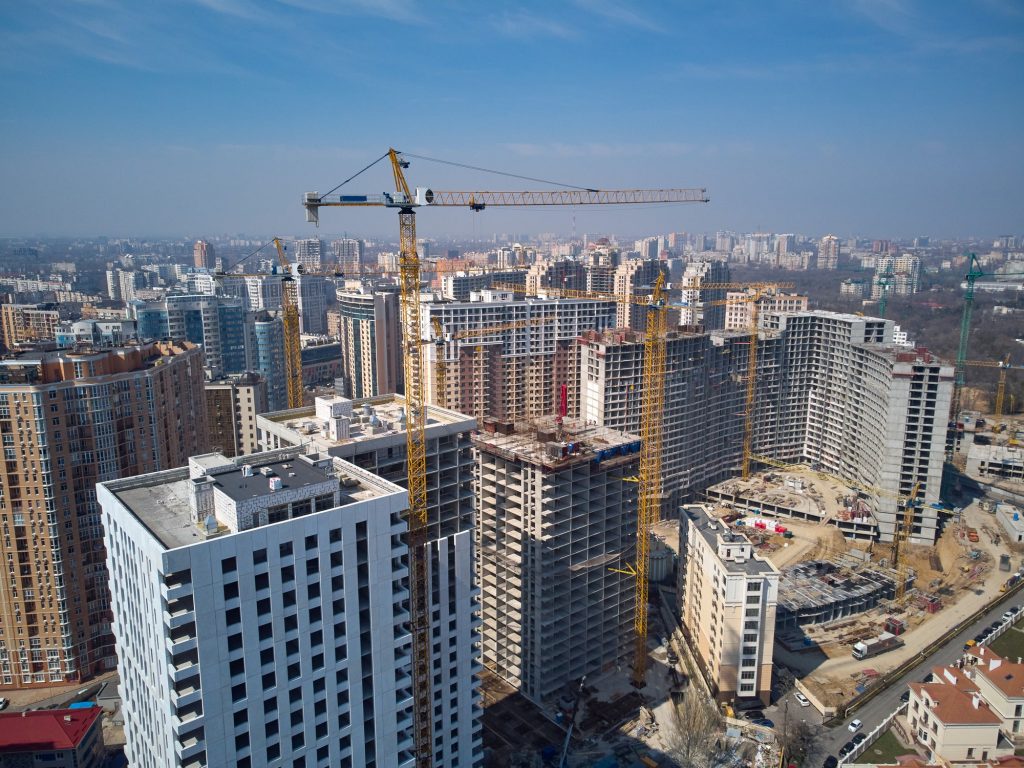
{"type": "Point", "coordinates": [634, 279]}
{"type": "Point", "coordinates": [556, 512]}
{"type": "Point", "coordinates": [705, 391]}
{"type": "Point", "coordinates": [820, 591]}
{"type": "Point", "coordinates": [516, 372]}
{"type": "Point", "coordinates": [867, 410]}
{"type": "Point", "coordinates": [832, 391]}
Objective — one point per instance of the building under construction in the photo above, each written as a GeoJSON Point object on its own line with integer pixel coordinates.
{"type": "Point", "coordinates": [820, 591]}
{"type": "Point", "coordinates": [556, 527]}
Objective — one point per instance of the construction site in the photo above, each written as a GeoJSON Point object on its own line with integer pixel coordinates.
{"type": "Point", "coordinates": [835, 592]}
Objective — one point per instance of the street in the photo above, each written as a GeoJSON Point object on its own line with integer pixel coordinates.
{"type": "Point", "coordinates": [876, 710]}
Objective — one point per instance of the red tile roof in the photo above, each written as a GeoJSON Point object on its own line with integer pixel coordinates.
{"type": "Point", "coordinates": [45, 729]}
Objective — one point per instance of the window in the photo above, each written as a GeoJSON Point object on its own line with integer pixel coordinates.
{"type": "Point", "coordinates": [753, 599]}
{"type": "Point", "coordinates": [241, 716]}
{"type": "Point", "coordinates": [228, 565]}
{"type": "Point", "coordinates": [238, 692]}
{"type": "Point", "coordinates": [259, 556]}
{"type": "Point", "coordinates": [269, 680]}
{"type": "Point", "coordinates": [285, 549]}
{"type": "Point", "coordinates": [231, 590]}
{"type": "Point", "coordinates": [233, 616]}
{"type": "Point", "coordinates": [270, 705]}
{"type": "Point", "coordinates": [311, 542]}
{"type": "Point", "coordinates": [312, 566]}
{"type": "Point", "coordinates": [262, 581]}
{"type": "Point", "coordinates": [287, 573]}
{"type": "Point", "coordinates": [234, 642]}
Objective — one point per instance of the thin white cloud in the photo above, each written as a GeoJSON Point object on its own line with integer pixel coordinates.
{"type": "Point", "coordinates": [405, 11]}
{"type": "Point", "coordinates": [525, 25]}
{"type": "Point", "coordinates": [619, 13]}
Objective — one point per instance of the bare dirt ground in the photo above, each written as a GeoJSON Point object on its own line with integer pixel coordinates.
{"type": "Point", "coordinates": [964, 584]}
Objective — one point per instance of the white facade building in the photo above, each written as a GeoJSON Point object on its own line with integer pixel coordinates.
{"type": "Point", "coordinates": [260, 609]}
{"type": "Point", "coordinates": [371, 434]}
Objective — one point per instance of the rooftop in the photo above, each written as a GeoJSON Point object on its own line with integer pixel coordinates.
{"type": "Point", "coordinates": [552, 445]}
{"type": "Point", "coordinates": [45, 729]}
{"type": "Point", "coordinates": [244, 486]}
{"type": "Point", "coordinates": [370, 418]}
{"type": "Point", "coordinates": [716, 532]}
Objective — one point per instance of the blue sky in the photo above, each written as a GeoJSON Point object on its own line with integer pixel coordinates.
{"type": "Point", "coordinates": [872, 117]}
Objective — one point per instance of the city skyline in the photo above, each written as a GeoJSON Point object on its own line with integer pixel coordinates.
{"type": "Point", "coordinates": [890, 116]}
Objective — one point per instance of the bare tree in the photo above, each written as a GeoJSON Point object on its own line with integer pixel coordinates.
{"type": "Point", "coordinates": [694, 737]}
{"type": "Point", "coordinates": [799, 741]}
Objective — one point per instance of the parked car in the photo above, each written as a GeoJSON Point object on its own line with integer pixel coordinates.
{"type": "Point", "coordinates": [847, 748]}
{"type": "Point", "coordinates": [994, 626]}
{"type": "Point", "coordinates": [905, 697]}
{"type": "Point", "coordinates": [830, 762]}
{"type": "Point", "coordinates": [855, 726]}
{"type": "Point", "coordinates": [764, 722]}
{"type": "Point", "coordinates": [802, 700]}
{"type": "Point", "coordinates": [4, 703]}
{"type": "Point", "coordinates": [1008, 615]}
{"type": "Point", "coordinates": [753, 714]}
{"type": "Point", "coordinates": [858, 738]}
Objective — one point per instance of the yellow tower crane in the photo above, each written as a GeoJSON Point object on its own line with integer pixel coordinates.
{"type": "Point", "coordinates": [292, 341]}
{"type": "Point", "coordinates": [1004, 366]}
{"type": "Point", "coordinates": [412, 332]}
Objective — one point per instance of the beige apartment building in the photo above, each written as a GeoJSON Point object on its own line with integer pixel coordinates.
{"type": "Point", "coordinates": [729, 598]}
{"type": "Point", "coordinates": [68, 421]}
{"type": "Point", "coordinates": [737, 310]}
{"type": "Point", "coordinates": [232, 404]}
{"type": "Point", "coordinates": [27, 322]}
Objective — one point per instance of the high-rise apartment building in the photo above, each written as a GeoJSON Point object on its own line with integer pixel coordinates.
{"type": "Point", "coordinates": [203, 255]}
{"type": "Point", "coordinates": [27, 322]}
{"type": "Point", "coordinates": [705, 392]}
{"type": "Point", "coordinates": [832, 389]}
{"type": "Point", "coordinates": [266, 357]}
{"type": "Point", "coordinates": [647, 248]}
{"type": "Point", "coordinates": [459, 287]}
{"type": "Point", "coordinates": [349, 254]}
{"type": "Point", "coordinates": [566, 274]}
{"type": "Point", "coordinates": [371, 434]}
{"type": "Point", "coordinates": [828, 252]}
{"type": "Point", "coordinates": [70, 420]}
{"type": "Point", "coordinates": [261, 614]}
{"type": "Point", "coordinates": [633, 279]}
{"type": "Point", "coordinates": [902, 275]}
{"type": "Point", "coordinates": [314, 292]}
{"type": "Point", "coordinates": [738, 309]}
{"type": "Point", "coordinates": [700, 307]}
{"type": "Point", "coordinates": [867, 409]}
{"type": "Point", "coordinates": [309, 253]}
{"type": "Point", "coordinates": [232, 404]}
{"type": "Point", "coordinates": [217, 323]}
{"type": "Point", "coordinates": [258, 292]}
{"type": "Point", "coordinates": [556, 518]}
{"type": "Point", "coordinates": [516, 369]}
{"type": "Point", "coordinates": [371, 342]}
{"type": "Point", "coordinates": [727, 606]}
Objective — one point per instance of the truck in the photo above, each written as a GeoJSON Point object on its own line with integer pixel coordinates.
{"type": "Point", "coordinates": [886, 641]}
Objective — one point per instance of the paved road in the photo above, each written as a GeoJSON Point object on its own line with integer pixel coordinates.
{"type": "Point", "coordinates": [876, 710]}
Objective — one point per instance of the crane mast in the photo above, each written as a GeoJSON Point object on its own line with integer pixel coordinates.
{"type": "Point", "coordinates": [292, 341]}
{"type": "Point", "coordinates": [650, 467]}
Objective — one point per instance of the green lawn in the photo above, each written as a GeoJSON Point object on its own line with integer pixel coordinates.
{"type": "Point", "coordinates": [885, 749]}
{"type": "Point", "coordinates": [1010, 644]}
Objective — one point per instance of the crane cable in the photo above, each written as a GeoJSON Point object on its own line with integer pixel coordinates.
{"type": "Point", "coordinates": [499, 173]}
